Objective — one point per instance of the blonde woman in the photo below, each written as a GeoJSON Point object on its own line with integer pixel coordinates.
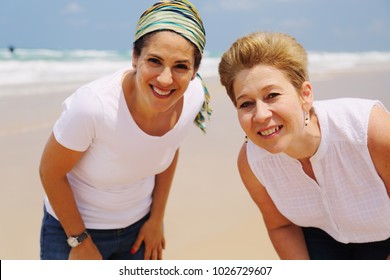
{"type": "Point", "coordinates": [319, 171]}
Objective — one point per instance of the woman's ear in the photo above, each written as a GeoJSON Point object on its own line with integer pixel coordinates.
{"type": "Point", "coordinates": [134, 59]}
{"type": "Point", "coordinates": [195, 72]}
{"type": "Point", "coordinates": [307, 96]}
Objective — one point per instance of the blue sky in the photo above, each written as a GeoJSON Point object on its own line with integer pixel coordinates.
{"type": "Point", "coordinates": [320, 25]}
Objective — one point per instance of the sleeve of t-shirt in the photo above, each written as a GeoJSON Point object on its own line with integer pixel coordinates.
{"type": "Point", "coordinates": [76, 127]}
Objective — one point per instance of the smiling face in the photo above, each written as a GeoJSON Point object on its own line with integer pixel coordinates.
{"type": "Point", "coordinates": [270, 110]}
{"type": "Point", "coordinates": [164, 69]}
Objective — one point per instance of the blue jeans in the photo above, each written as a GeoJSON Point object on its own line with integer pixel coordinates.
{"type": "Point", "coordinates": [322, 246]}
{"type": "Point", "coordinates": [113, 244]}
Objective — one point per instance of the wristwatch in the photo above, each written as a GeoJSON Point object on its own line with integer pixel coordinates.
{"type": "Point", "coordinates": [74, 241]}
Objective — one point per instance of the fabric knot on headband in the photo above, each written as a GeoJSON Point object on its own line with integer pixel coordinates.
{"type": "Point", "coordinates": [183, 18]}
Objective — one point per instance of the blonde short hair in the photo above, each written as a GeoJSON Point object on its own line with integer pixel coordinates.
{"type": "Point", "coordinates": [273, 49]}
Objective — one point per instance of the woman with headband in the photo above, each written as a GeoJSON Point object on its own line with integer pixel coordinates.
{"type": "Point", "coordinates": [108, 166]}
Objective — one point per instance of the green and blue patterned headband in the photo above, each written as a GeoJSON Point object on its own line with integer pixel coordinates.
{"type": "Point", "coordinates": [179, 16]}
{"type": "Point", "coordinates": [183, 18]}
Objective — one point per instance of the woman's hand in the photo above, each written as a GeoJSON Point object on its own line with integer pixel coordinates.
{"type": "Point", "coordinates": [87, 250]}
{"type": "Point", "coordinates": [152, 235]}
{"type": "Point", "coordinates": [152, 232]}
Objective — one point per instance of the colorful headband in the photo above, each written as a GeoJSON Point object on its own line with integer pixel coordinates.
{"type": "Point", "coordinates": [179, 16]}
{"type": "Point", "coordinates": [183, 18]}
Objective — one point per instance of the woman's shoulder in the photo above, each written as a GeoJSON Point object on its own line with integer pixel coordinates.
{"type": "Point", "coordinates": [106, 84]}
{"type": "Point", "coordinates": [194, 98]}
{"type": "Point", "coordinates": [345, 104]}
{"type": "Point", "coordinates": [345, 118]}
{"type": "Point", "coordinates": [195, 89]}
{"type": "Point", "coordinates": [95, 93]}
{"type": "Point", "coordinates": [345, 109]}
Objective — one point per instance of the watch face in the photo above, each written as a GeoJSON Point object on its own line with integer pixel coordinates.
{"type": "Point", "coordinates": [73, 242]}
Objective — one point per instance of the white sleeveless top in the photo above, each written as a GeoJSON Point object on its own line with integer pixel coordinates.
{"type": "Point", "coordinates": [114, 180]}
{"type": "Point", "coordinates": [350, 201]}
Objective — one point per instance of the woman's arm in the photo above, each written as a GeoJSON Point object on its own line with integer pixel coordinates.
{"type": "Point", "coordinates": [152, 231]}
{"type": "Point", "coordinates": [379, 143]}
{"type": "Point", "coordinates": [286, 237]}
{"type": "Point", "coordinates": [56, 162]}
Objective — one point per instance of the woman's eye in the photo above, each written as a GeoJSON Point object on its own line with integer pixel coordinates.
{"type": "Point", "coordinates": [154, 60]}
{"type": "Point", "coordinates": [272, 95]}
{"type": "Point", "coordinates": [182, 66]}
{"type": "Point", "coordinates": [245, 105]}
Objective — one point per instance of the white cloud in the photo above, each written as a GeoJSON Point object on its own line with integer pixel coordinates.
{"type": "Point", "coordinates": [73, 8]}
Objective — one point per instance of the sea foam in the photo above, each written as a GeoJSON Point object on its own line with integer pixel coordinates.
{"type": "Point", "coordinates": [29, 66]}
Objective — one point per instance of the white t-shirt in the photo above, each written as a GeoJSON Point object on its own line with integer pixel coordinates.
{"type": "Point", "coordinates": [114, 180]}
{"type": "Point", "coordinates": [350, 201]}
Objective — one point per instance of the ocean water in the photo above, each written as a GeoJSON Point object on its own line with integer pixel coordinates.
{"type": "Point", "coordinates": [29, 66]}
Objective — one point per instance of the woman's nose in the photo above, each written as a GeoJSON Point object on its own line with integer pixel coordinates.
{"type": "Point", "coordinates": [262, 113]}
{"type": "Point", "coordinates": [165, 77]}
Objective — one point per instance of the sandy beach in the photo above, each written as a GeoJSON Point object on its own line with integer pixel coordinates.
{"type": "Point", "coordinates": [209, 216]}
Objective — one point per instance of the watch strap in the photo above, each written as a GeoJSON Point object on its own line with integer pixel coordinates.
{"type": "Point", "coordinates": [75, 241]}
{"type": "Point", "coordinates": [82, 237]}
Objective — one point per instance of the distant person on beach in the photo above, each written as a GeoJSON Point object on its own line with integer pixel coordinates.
{"type": "Point", "coordinates": [319, 171]}
{"type": "Point", "coordinates": [11, 49]}
{"type": "Point", "coordinates": [109, 164]}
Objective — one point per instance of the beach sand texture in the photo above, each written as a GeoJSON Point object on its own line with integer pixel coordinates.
{"type": "Point", "coordinates": [209, 214]}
